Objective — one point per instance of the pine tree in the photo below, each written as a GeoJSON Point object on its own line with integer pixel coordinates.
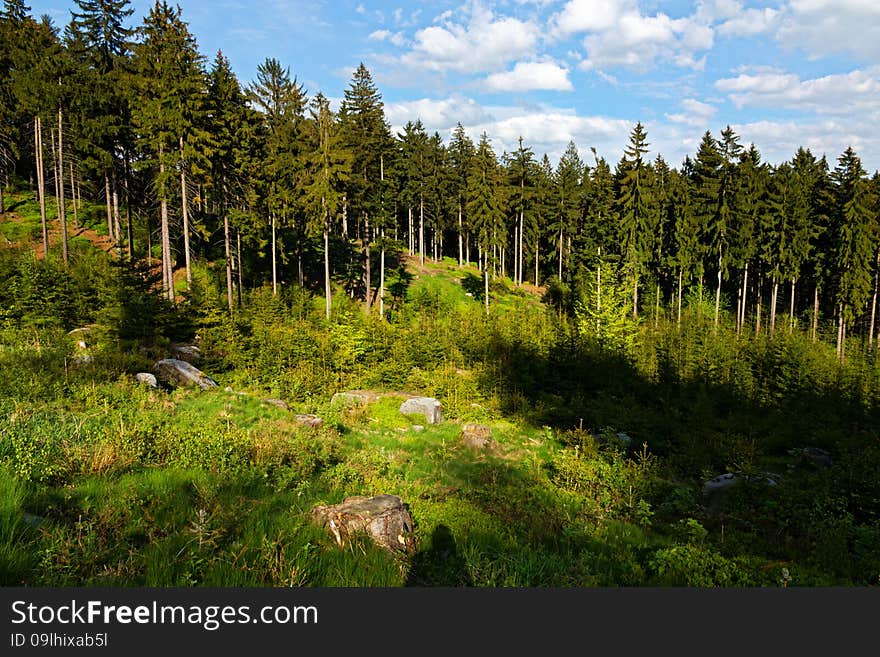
{"type": "Point", "coordinates": [329, 168]}
{"type": "Point", "coordinates": [569, 174]}
{"type": "Point", "coordinates": [461, 151]}
{"type": "Point", "coordinates": [483, 206]}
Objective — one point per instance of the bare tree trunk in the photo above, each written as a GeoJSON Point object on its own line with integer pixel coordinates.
{"type": "Point", "coordinates": [73, 195]}
{"type": "Point", "coordinates": [521, 221]}
{"type": "Point", "coordinates": [635, 297]}
{"type": "Point", "coordinates": [774, 295]}
{"type": "Point", "coordinates": [421, 231]}
{"type": "Point", "coordinates": [185, 214]}
{"type": "Point", "coordinates": [117, 228]}
{"type": "Point", "coordinates": [327, 301]}
{"type": "Point", "coordinates": [108, 199]}
{"type": "Point", "coordinates": [678, 319]}
{"type": "Point", "coordinates": [345, 216]}
{"type": "Point", "coordinates": [238, 257]}
{"type": "Point", "coordinates": [560, 254]}
{"type": "Point", "coordinates": [486, 286]}
{"type": "Point", "coordinates": [502, 262]}
{"type": "Point", "coordinates": [368, 299]}
{"type": "Point", "coordinates": [128, 221]}
{"type": "Point", "coordinates": [167, 269]}
{"type": "Point", "coordinates": [467, 247]}
{"type": "Point", "coordinates": [460, 237]}
{"type": "Point", "coordinates": [814, 331]}
{"type": "Point", "coordinates": [537, 246]}
{"type": "Point", "coordinates": [274, 262]}
{"type": "Point", "coordinates": [657, 307]}
{"type": "Point", "coordinates": [745, 297]}
{"type": "Point", "coordinates": [791, 307]}
{"type": "Point", "coordinates": [41, 183]}
{"type": "Point", "coordinates": [874, 304]}
{"type": "Point", "coordinates": [758, 303]}
{"type": "Point", "coordinates": [62, 214]}
{"type": "Point", "coordinates": [227, 251]}
{"type": "Point", "coordinates": [411, 235]}
{"type": "Point", "coordinates": [382, 277]}
{"type": "Point", "coordinates": [718, 293]}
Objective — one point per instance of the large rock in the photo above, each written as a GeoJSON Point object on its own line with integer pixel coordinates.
{"type": "Point", "coordinates": [428, 407]}
{"type": "Point", "coordinates": [146, 379]}
{"type": "Point", "coordinates": [278, 403]}
{"type": "Point", "coordinates": [817, 457]}
{"type": "Point", "coordinates": [190, 353]}
{"type": "Point", "coordinates": [477, 436]}
{"type": "Point", "coordinates": [309, 420]}
{"type": "Point", "coordinates": [385, 518]}
{"type": "Point", "coordinates": [175, 373]}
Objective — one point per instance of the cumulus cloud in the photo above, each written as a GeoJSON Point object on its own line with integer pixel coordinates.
{"type": "Point", "coordinates": [479, 42]}
{"type": "Point", "coordinates": [395, 38]}
{"type": "Point", "coordinates": [750, 22]}
{"type": "Point", "coordinates": [694, 113]}
{"type": "Point", "coordinates": [856, 92]}
{"type": "Point", "coordinates": [618, 34]}
{"type": "Point", "coordinates": [529, 76]}
{"type": "Point", "coordinates": [824, 27]}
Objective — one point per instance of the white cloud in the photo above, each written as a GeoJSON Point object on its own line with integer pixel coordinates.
{"type": "Point", "coordinates": [395, 38]}
{"type": "Point", "coordinates": [528, 76]}
{"type": "Point", "coordinates": [855, 93]}
{"type": "Point", "coordinates": [484, 42]}
{"type": "Point", "coordinates": [695, 113]}
{"type": "Point", "coordinates": [824, 27]}
{"type": "Point", "coordinates": [750, 22]}
{"type": "Point", "coordinates": [618, 34]}
{"type": "Point", "coordinates": [361, 9]}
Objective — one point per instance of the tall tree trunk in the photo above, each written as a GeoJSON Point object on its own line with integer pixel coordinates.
{"type": "Point", "coordinates": [62, 214]}
{"type": "Point", "coordinates": [167, 269]}
{"type": "Point", "coordinates": [238, 257]}
{"type": "Point", "coordinates": [368, 299]}
{"type": "Point", "coordinates": [117, 228]}
{"type": "Point", "coordinates": [109, 199]}
{"type": "Point", "coordinates": [128, 221]}
{"type": "Point", "coordinates": [227, 251]}
{"type": "Point", "coordinates": [382, 277]}
{"type": "Point", "coordinates": [657, 307]}
{"type": "Point", "coordinates": [560, 254]}
{"type": "Point", "coordinates": [73, 196]}
{"type": "Point", "coordinates": [486, 285]}
{"type": "Point", "coordinates": [421, 231]}
{"type": "Point", "coordinates": [345, 216]}
{"type": "Point", "coordinates": [774, 296]}
{"type": "Point", "coordinates": [678, 319]}
{"type": "Point", "coordinates": [635, 297]}
{"type": "Point", "coordinates": [327, 300]}
{"type": "Point", "coordinates": [460, 237]}
{"type": "Point", "coordinates": [814, 329]}
{"type": "Point", "coordinates": [791, 307]}
{"type": "Point", "coordinates": [467, 247]}
{"type": "Point", "coordinates": [411, 235]}
{"type": "Point", "coordinates": [874, 303]}
{"type": "Point", "coordinates": [521, 221]}
{"type": "Point", "coordinates": [758, 302]}
{"type": "Point", "coordinates": [745, 297]}
{"type": "Point", "coordinates": [41, 183]}
{"type": "Point", "coordinates": [274, 260]}
{"type": "Point", "coordinates": [185, 214]}
{"type": "Point", "coordinates": [537, 246]}
{"type": "Point", "coordinates": [717, 294]}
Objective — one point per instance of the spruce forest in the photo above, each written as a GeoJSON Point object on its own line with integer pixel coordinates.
{"type": "Point", "coordinates": [226, 308]}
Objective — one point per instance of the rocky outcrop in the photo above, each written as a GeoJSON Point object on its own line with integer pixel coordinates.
{"type": "Point", "coordinates": [278, 403]}
{"type": "Point", "coordinates": [384, 518]}
{"type": "Point", "coordinates": [190, 353]}
{"type": "Point", "coordinates": [428, 407]}
{"type": "Point", "coordinates": [179, 373]}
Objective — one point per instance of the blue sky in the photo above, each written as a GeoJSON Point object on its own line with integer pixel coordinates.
{"type": "Point", "coordinates": [783, 74]}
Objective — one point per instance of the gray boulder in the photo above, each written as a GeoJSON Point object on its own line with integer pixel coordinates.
{"type": "Point", "coordinates": [190, 353]}
{"type": "Point", "coordinates": [720, 483]}
{"type": "Point", "coordinates": [279, 403]}
{"type": "Point", "coordinates": [385, 518]}
{"type": "Point", "coordinates": [428, 407]}
{"type": "Point", "coordinates": [309, 420]}
{"type": "Point", "coordinates": [174, 372]}
{"type": "Point", "coordinates": [146, 379]}
{"type": "Point", "coordinates": [817, 457]}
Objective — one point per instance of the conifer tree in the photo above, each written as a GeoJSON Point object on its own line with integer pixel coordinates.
{"type": "Point", "coordinates": [461, 151]}
{"type": "Point", "coordinates": [483, 205]}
